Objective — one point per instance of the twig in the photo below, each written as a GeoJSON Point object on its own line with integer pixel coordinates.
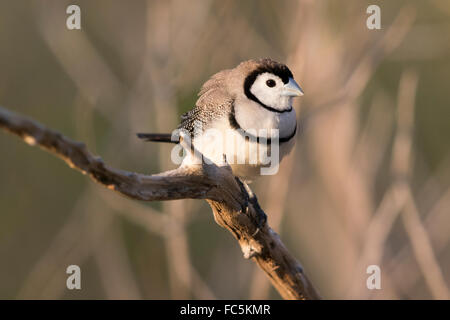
{"type": "Point", "coordinates": [117, 277]}
{"type": "Point", "coordinates": [423, 250]}
{"type": "Point", "coordinates": [215, 184]}
{"type": "Point", "coordinates": [68, 246]}
{"type": "Point", "coordinates": [437, 219]}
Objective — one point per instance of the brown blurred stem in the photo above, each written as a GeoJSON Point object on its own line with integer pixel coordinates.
{"type": "Point", "coordinates": [215, 184]}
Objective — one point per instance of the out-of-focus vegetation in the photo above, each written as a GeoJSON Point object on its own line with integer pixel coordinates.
{"type": "Point", "coordinates": [368, 182]}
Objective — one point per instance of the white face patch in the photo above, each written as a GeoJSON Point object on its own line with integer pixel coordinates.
{"type": "Point", "coordinates": [268, 89]}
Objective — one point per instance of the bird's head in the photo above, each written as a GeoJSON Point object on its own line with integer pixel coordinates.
{"type": "Point", "coordinates": [268, 83]}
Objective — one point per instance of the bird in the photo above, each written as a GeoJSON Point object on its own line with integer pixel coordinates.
{"type": "Point", "coordinates": [243, 117]}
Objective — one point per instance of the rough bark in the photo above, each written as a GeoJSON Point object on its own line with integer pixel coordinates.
{"type": "Point", "coordinates": [235, 208]}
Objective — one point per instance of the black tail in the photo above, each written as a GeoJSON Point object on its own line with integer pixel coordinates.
{"type": "Point", "coordinates": [157, 137]}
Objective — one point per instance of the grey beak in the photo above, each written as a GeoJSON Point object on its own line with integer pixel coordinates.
{"type": "Point", "coordinates": [292, 89]}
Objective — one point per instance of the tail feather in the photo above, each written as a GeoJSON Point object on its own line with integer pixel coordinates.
{"type": "Point", "coordinates": [157, 137]}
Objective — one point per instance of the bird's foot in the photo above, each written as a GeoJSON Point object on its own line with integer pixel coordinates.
{"type": "Point", "coordinates": [261, 217]}
{"type": "Point", "coordinates": [241, 184]}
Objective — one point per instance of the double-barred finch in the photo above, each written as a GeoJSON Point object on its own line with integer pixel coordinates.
{"type": "Point", "coordinates": [243, 105]}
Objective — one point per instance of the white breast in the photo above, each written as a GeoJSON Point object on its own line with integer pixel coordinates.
{"type": "Point", "coordinates": [246, 157]}
{"type": "Point", "coordinates": [251, 115]}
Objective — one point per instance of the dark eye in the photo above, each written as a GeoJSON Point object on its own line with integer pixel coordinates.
{"type": "Point", "coordinates": [271, 83]}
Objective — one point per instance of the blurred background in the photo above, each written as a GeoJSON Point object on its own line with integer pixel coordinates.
{"type": "Point", "coordinates": [367, 184]}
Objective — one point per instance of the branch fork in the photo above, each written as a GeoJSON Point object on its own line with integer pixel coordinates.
{"type": "Point", "coordinates": [234, 205]}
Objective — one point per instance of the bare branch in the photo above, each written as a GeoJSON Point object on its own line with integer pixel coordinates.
{"type": "Point", "coordinates": [215, 184]}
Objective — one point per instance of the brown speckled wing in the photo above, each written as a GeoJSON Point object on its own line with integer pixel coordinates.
{"type": "Point", "coordinates": [213, 103]}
